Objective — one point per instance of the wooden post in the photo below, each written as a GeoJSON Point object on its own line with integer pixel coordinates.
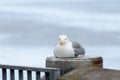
{"type": "Point", "coordinates": [67, 64]}
{"type": "Point", "coordinates": [52, 75]}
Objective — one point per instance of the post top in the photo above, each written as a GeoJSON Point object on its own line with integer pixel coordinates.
{"type": "Point", "coordinates": [81, 58]}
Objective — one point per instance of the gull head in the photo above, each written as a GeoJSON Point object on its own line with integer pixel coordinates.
{"type": "Point", "coordinates": [63, 40]}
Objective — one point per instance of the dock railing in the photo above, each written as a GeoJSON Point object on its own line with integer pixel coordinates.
{"type": "Point", "coordinates": [50, 73]}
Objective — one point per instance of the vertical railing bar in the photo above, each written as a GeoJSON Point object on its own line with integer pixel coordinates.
{"type": "Point", "coordinates": [20, 74]}
{"type": "Point", "coordinates": [12, 74]}
{"type": "Point", "coordinates": [50, 73]}
{"type": "Point", "coordinates": [29, 75]}
{"type": "Point", "coordinates": [37, 75]}
{"type": "Point", "coordinates": [52, 76]}
{"type": "Point", "coordinates": [4, 74]}
{"type": "Point", "coordinates": [47, 76]}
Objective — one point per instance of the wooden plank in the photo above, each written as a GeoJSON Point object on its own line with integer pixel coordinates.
{"type": "Point", "coordinates": [4, 74]}
{"type": "Point", "coordinates": [12, 74]}
{"type": "Point", "coordinates": [37, 75]}
{"type": "Point", "coordinates": [29, 75]}
{"type": "Point", "coordinates": [20, 74]}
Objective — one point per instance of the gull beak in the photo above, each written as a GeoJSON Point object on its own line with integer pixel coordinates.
{"type": "Point", "coordinates": [62, 43]}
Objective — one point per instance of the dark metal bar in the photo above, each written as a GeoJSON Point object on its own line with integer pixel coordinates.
{"type": "Point", "coordinates": [20, 74]}
{"type": "Point", "coordinates": [12, 74]}
{"type": "Point", "coordinates": [47, 76]}
{"type": "Point", "coordinates": [27, 68]}
{"type": "Point", "coordinates": [4, 74]}
{"type": "Point", "coordinates": [37, 75]}
{"type": "Point", "coordinates": [50, 73]}
{"type": "Point", "coordinates": [29, 75]}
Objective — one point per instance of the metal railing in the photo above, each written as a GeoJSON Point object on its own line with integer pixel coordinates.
{"type": "Point", "coordinates": [50, 73]}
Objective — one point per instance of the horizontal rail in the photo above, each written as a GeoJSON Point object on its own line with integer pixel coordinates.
{"type": "Point", "coordinates": [47, 69]}
{"type": "Point", "coordinates": [50, 73]}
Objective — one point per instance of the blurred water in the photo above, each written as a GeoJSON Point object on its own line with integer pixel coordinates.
{"type": "Point", "coordinates": [27, 27]}
{"type": "Point", "coordinates": [101, 15]}
{"type": "Point", "coordinates": [110, 54]}
{"type": "Point", "coordinates": [26, 56]}
{"type": "Point", "coordinates": [35, 56]}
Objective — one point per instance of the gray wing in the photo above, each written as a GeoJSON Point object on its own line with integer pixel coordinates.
{"type": "Point", "coordinates": [78, 49]}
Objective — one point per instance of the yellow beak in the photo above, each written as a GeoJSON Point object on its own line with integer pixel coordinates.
{"type": "Point", "coordinates": [62, 43]}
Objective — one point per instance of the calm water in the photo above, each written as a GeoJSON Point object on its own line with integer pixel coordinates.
{"type": "Point", "coordinates": [35, 56]}
{"type": "Point", "coordinates": [37, 23]}
{"type": "Point", "coordinates": [96, 15]}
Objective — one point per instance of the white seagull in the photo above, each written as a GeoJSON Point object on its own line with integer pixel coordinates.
{"type": "Point", "coordinates": [66, 48]}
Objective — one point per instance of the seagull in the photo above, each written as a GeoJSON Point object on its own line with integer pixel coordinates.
{"type": "Point", "coordinates": [67, 49]}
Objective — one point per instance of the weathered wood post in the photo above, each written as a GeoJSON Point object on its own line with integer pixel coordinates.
{"type": "Point", "coordinates": [67, 64]}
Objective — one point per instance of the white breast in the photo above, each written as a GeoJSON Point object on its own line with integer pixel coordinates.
{"type": "Point", "coordinates": [64, 51]}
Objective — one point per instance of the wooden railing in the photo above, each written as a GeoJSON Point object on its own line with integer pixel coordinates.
{"type": "Point", "coordinates": [50, 73]}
